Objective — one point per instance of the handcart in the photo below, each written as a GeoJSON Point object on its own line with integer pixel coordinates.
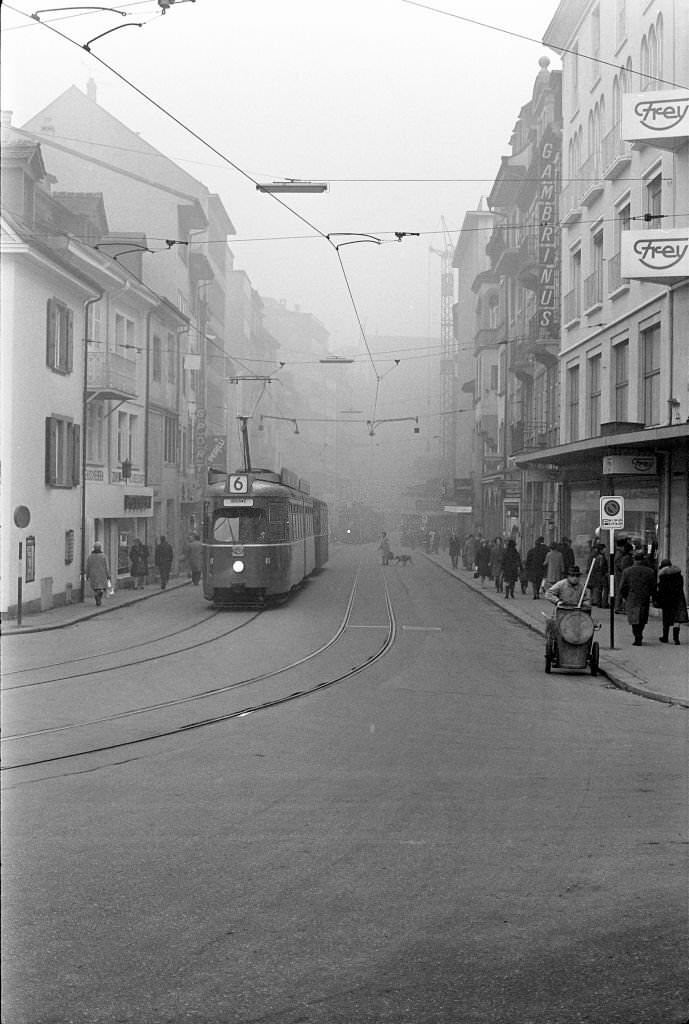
{"type": "Point", "coordinates": [569, 639]}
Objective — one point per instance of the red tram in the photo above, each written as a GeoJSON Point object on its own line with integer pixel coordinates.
{"type": "Point", "coordinates": [263, 534]}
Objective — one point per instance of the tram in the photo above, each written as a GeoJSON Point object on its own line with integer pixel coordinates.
{"type": "Point", "coordinates": [263, 535]}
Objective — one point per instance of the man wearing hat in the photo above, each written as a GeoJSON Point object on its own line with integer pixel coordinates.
{"type": "Point", "coordinates": [638, 589]}
{"type": "Point", "coordinates": [569, 590]}
{"type": "Point", "coordinates": [97, 572]}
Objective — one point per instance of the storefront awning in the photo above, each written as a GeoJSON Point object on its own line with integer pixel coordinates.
{"type": "Point", "coordinates": [575, 451]}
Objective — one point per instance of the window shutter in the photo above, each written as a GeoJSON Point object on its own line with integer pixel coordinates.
{"type": "Point", "coordinates": [50, 334]}
{"type": "Point", "coordinates": [76, 454]}
{"type": "Point", "coordinates": [50, 451]}
{"type": "Point", "coordinates": [69, 325]}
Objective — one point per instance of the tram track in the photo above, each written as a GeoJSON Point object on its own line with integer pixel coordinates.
{"type": "Point", "coordinates": [160, 707]}
{"type": "Point", "coordinates": [101, 654]}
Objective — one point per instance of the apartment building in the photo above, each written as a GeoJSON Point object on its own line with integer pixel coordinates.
{"type": "Point", "coordinates": [624, 349]}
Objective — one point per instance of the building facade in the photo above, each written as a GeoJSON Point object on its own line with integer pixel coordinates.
{"type": "Point", "coordinates": [624, 351]}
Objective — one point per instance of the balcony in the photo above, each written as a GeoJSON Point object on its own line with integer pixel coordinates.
{"type": "Point", "coordinates": [572, 310]}
{"type": "Point", "coordinates": [616, 155]}
{"type": "Point", "coordinates": [591, 185]}
{"type": "Point", "coordinates": [570, 206]}
{"type": "Point", "coordinates": [487, 337]}
{"type": "Point", "coordinates": [593, 291]}
{"type": "Point", "coordinates": [110, 376]}
{"type": "Point", "coordinates": [615, 279]}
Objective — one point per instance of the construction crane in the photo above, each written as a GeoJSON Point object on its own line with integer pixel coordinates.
{"type": "Point", "coordinates": [448, 422]}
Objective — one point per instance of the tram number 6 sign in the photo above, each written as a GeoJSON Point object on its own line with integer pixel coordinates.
{"type": "Point", "coordinates": [612, 512]}
{"type": "Point", "coordinates": [239, 484]}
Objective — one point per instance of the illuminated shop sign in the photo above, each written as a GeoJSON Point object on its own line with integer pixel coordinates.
{"type": "Point", "coordinates": [548, 244]}
{"type": "Point", "coordinates": [657, 254]}
{"type": "Point", "coordinates": [138, 504]}
{"type": "Point", "coordinates": [654, 116]}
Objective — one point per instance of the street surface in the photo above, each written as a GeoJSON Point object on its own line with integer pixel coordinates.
{"type": "Point", "coordinates": [446, 835]}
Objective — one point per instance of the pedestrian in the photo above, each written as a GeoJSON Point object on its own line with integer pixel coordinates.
{"type": "Point", "coordinates": [671, 599]}
{"type": "Point", "coordinates": [599, 578]}
{"type": "Point", "coordinates": [483, 561]}
{"type": "Point", "coordinates": [454, 549]}
{"type": "Point", "coordinates": [535, 565]}
{"type": "Point", "coordinates": [138, 559]}
{"type": "Point", "coordinates": [384, 548]}
{"type": "Point", "coordinates": [570, 591]}
{"type": "Point", "coordinates": [497, 552]}
{"type": "Point", "coordinates": [435, 541]}
{"type": "Point", "coordinates": [163, 560]}
{"type": "Point", "coordinates": [97, 572]}
{"type": "Point", "coordinates": [638, 588]}
{"type": "Point", "coordinates": [554, 565]}
{"type": "Point", "coordinates": [565, 547]}
{"type": "Point", "coordinates": [195, 556]}
{"type": "Point", "coordinates": [623, 560]}
{"type": "Point", "coordinates": [511, 567]}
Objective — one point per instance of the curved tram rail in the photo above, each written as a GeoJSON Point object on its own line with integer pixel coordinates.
{"type": "Point", "coordinates": [155, 709]}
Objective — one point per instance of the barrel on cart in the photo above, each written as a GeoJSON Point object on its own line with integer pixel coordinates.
{"type": "Point", "coordinates": [569, 640]}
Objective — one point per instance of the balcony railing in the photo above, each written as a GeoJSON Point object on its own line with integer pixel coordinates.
{"type": "Point", "coordinates": [615, 279]}
{"type": "Point", "coordinates": [111, 374]}
{"type": "Point", "coordinates": [572, 305]}
{"type": "Point", "coordinates": [593, 289]}
{"type": "Point", "coordinates": [616, 154]}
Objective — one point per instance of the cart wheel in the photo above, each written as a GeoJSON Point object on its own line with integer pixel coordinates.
{"type": "Point", "coordinates": [595, 658]}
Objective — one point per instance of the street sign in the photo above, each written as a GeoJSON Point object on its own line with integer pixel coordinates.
{"type": "Point", "coordinates": [612, 512]}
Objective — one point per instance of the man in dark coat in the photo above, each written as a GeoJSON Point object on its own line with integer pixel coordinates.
{"type": "Point", "coordinates": [511, 566]}
{"type": "Point", "coordinates": [163, 560]}
{"type": "Point", "coordinates": [671, 600]}
{"type": "Point", "coordinates": [535, 568]}
{"type": "Point", "coordinates": [638, 588]}
{"type": "Point", "coordinates": [138, 556]}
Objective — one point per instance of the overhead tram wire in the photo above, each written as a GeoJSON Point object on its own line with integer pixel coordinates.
{"type": "Point", "coordinates": [533, 39]}
{"type": "Point", "coordinates": [204, 142]}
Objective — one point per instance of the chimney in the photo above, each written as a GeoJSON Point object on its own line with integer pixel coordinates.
{"type": "Point", "coordinates": [91, 90]}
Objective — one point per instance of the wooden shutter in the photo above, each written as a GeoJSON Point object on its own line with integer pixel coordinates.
{"type": "Point", "coordinates": [50, 451]}
{"type": "Point", "coordinates": [50, 334]}
{"type": "Point", "coordinates": [68, 318]}
{"type": "Point", "coordinates": [76, 454]}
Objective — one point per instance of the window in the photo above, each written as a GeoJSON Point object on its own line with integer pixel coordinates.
{"type": "Point", "coordinates": [594, 369]}
{"type": "Point", "coordinates": [650, 345]}
{"type": "Point", "coordinates": [575, 74]}
{"type": "Point", "coordinates": [170, 440]}
{"type": "Point", "coordinates": [654, 201]}
{"type": "Point", "coordinates": [573, 297]}
{"type": "Point", "coordinates": [62, 463]}
{"type": "Point", "coordinates": [595, 38]}
{"type": "Point", "coordinates": [95, 420]}
{"type": "Point", "coordinates": [127, 437]}
{"type": "Point", "coordinates": [594, 282]}
{"type": "Point", "coordinates": [157, 358]}
{"type": "Point", "coordinates": [95, 330]}
{"type": "Point", "coordinates": [621, 22]}
{"type": "Point", "coordinates": [125, 335]}
{"type": "Point", "coordinates": [621, 357]}
{"type": "Point", "coordinates": [494, 377]}
{"type": "Point", "coordinates": [573, 403]}
{"type": "Point", "coordinates": [59, 336]}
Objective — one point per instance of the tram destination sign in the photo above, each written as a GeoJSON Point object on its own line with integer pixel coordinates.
{"type": "Point", "coordinates": [612, 512]}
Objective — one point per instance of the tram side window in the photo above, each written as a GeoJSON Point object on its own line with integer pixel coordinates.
{"type": "Point", "coordinates": [239, 526]}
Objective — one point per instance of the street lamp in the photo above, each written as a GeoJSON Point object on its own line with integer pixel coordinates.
{"type": "Point", "coordinates": [335, 360]}
{"type": "Point", "coordinates": [292, 186]}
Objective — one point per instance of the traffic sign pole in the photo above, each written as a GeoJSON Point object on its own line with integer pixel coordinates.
{"type": "Point", "coordinates": [611, 590]}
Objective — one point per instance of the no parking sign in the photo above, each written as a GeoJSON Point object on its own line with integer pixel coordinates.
{"type": "Point", "coordinates": [612, 512]}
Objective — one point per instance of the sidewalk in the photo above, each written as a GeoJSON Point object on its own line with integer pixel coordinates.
{"type": "Point", "coordinates": [70, 614]}
{"type": "Point", "coordinates": [658, 671]}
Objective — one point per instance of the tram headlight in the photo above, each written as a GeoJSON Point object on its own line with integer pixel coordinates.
{"type": "Point", "coordinates": [238, 565]}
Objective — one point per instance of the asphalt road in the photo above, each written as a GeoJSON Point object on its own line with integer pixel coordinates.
{"type": "Point", "coordinates": [446, 836]}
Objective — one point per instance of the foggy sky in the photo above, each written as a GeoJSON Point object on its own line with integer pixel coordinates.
{"type": "Point", "coordinates": [375, 89]}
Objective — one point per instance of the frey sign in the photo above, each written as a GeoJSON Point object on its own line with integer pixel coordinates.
{"type": "Point", "coordinates": [548, 247]}
{"type": "Point", "coordinates": [653, 116]}
{"type": "Point", "coordinates": [658, 253]}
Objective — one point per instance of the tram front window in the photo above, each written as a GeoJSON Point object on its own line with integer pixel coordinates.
{"type": "Point", "coordinates": [239, 526]}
